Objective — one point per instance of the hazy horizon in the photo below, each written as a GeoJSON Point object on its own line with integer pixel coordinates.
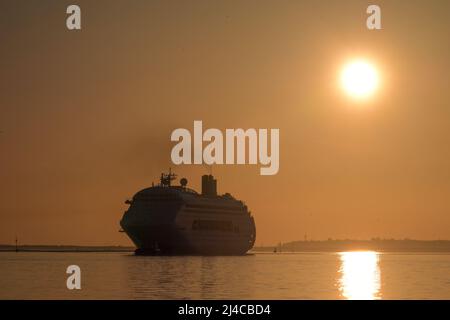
{"type": "Point", "coordinates": [256, 245]}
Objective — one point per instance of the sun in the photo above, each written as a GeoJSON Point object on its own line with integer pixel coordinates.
{"type": "Point", "coordinates": [359, 79]}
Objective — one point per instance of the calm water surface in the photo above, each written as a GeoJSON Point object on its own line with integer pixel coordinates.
{"type": "Point", "coordinates": [348, 275]}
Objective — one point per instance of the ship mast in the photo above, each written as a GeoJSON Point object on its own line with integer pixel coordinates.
{"type": "Point", "coordinates": [167, 178]}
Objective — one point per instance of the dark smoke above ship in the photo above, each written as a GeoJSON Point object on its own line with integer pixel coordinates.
{"type": "Point", "coordinates": [167, 219]}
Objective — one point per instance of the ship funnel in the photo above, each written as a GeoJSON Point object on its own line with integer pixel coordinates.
{"type": "Point", "coordinates": [209, 185]}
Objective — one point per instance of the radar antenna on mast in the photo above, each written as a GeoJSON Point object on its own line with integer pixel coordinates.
{"type": "Point", "coordinates": [167, 178]}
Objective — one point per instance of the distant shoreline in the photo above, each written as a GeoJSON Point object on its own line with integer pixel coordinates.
{"type": "Point", "coordinates": [380, 245]}
{"type": "Point", "coordinates": [50, 248]}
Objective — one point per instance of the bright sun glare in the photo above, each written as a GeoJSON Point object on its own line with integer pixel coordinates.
{"type": "Point", "coordinates": [359, 79]}
{"type": "Point", "coordinates": [360, 275]}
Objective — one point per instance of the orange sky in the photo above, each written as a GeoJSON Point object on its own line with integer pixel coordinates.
{"type": "Point", "coordinates": [87, 115]}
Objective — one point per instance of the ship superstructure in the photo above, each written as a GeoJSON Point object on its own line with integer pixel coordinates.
{"type": "Point", "coordinates": [167, 219]}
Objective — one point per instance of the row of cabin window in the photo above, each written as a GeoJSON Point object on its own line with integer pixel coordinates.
{"type": "Point", "coordinates": [214, 225]}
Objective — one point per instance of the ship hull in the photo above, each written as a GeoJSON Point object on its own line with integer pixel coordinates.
{"type": "Point", "coordinates": [170, 240]}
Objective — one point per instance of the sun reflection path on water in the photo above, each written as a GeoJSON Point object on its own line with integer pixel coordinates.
{"type": "Point", "coordinates": [359, 275]}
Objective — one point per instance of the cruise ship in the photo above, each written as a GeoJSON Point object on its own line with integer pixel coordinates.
{"type": "Point", "coordinates": [176, 220]}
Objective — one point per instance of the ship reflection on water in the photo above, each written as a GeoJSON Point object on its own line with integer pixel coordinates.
{"type": "Point", "coordinates": [359, 275]}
